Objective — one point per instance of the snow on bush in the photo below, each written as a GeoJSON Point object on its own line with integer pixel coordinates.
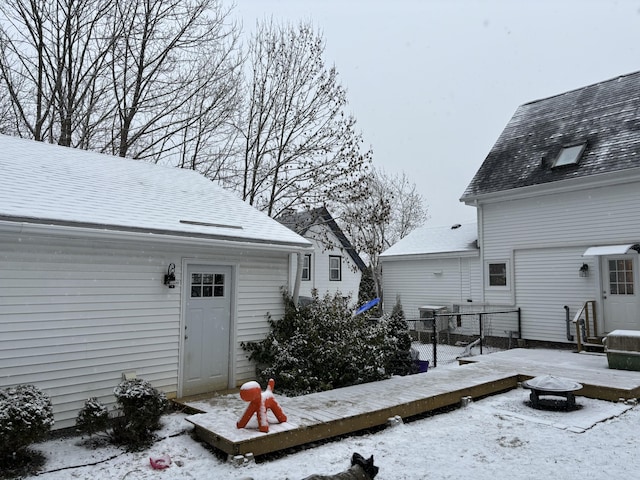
{"type": "Point", "coordinates": [142, 406]}
{"type": "Point", "coordinates": [26, 416]}
{"type": "Point", "coordinates": [398, 343]}
{"type": "Point", "coordinates": [321, 346]}
{"type": "Point", "coordinates": [93, 417]}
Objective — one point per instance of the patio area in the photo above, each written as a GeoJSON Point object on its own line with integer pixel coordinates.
{"type": "Point", "coordinates": [341, 411]}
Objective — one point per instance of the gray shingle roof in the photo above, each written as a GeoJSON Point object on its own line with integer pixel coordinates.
{"type": "Point", "coordinates": [47, 184]}
{"type": "Point", "coordinates": [606, 116]}
{"type": "Point", "coordinates": [301, 222]}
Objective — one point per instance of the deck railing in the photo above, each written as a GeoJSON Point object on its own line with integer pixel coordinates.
{"type": "Point", "coordinates": [586, 324]}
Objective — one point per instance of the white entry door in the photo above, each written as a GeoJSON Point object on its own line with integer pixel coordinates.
{"type": "Point", "coordinates": [621, 299]}
{"type": "Point", "coordinates": [207, 329]}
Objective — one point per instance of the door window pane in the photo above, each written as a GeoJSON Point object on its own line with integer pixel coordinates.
{"type": "Point", "coordinates": [218, 287]}
{"type": "Point", "coordinates": [621, 277]}
{"type": "Point", "coordinates": [207, 285]}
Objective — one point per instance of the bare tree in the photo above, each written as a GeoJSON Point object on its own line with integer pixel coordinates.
{"type": "Point", "coordinates": [151, 79]}
{"type": "Point", "coordinates": [174, 68]}
{"type": "Point", "coordinates": [52, 57]}
{"type": "Point", "coordinates": [300, 147]}
{"type": "Point", "coordinates": [391, 209]}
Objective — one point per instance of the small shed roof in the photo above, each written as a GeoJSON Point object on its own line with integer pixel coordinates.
{"type": "Point", "coordinates": [429, 240]}
{"type": "Point", "coordinates": [604, 118]}
{"type": "Point", "coordinates": [47, 184]}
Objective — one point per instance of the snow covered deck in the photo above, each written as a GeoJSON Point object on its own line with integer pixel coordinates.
{"type": "Point", "coordinates": [346, 410]}
{"type": "Point", "coordinates": [590, 369]}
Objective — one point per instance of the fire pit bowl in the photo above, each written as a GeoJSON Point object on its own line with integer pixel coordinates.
{"type": "Point", "coordinates": [552, 386]}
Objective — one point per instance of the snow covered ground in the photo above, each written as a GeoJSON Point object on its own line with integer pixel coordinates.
{"type": "Point", "coordinates": [497, 437]}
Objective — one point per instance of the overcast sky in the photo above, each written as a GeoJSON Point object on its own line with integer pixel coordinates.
{"type": "Point", "coordinates": [432, 83]}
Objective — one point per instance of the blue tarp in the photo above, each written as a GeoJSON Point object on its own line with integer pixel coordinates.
{"type": "Point", "coordinates": [367, 306]}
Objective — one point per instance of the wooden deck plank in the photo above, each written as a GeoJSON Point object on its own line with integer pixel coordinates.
{"type": "Point", "coordinates": [327, 414]}
{"type": "Point", "coordinates": [341, 411]}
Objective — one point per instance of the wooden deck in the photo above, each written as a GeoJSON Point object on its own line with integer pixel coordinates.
{"type": "Point", "coordinates": [346, 410]}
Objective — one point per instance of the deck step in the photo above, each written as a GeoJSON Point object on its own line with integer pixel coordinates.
{"type": "Point", "coordinates": [593, 344]}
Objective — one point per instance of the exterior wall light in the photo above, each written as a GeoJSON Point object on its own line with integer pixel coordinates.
{"type": "Point", "coordinates": [584, 270]}
{"type": "Point", "coordinates": [170, 277]}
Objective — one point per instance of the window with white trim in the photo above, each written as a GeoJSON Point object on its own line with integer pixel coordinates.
{"type": "Point", "coordinates": [498, 274]}
{"type": "Point", "coordinates": [306, 267]}
{"type": "Point", "coordinates": [335, 268]}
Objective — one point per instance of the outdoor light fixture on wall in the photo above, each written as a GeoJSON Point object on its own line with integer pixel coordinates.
{"type": "Point", "coordinates": [584, 270]}
{"type": "Point", "coordinates": [170, 277]}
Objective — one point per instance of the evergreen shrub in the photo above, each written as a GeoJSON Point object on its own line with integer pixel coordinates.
{"type": "Point", "coordinates": [93, 417]}
{"type": "Point", "coordinates": [321, 346]}
{"type": "Point", "coordinates": [399, 360]}
{"type": "Point", "coordinates": [26, 417]}
{"type": "Point", "coordinates": [141, 406]}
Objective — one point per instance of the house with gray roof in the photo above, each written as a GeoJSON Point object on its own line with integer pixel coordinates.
{"type": "Point", "coordinates": [112, 267]}
{"type": "Point", "coordinates": [558, 231]}
{"type": "Point", "coordinates": [334, 265]}
{"type": "Point", "coordinates": [558, 205]}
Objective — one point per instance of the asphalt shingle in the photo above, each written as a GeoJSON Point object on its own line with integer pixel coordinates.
{"type": "Point", "coordinates": [48, 184]}
{"type": "Point", "coordinates": [606, 116]}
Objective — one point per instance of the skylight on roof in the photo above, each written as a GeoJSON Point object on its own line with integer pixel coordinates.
{"type": "Point", "coordinates": [569, 155]}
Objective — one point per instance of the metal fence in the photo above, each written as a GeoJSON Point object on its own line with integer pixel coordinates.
{"type": "Point", "coordinates": [445, 337]}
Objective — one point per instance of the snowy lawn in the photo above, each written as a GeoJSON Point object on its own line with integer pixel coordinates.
{"type": "Point", "coordinates": [496, 437]}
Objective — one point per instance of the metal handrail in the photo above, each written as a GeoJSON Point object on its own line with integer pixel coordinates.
{"type": "Point", "coordinates": [583, 327]}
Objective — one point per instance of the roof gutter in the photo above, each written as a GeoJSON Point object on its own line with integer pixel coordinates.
{"type": "Point", "coordinates": [618, 177]}
{"type": "Point", "coordinates": [158, 237]}
{"type": "Point", "coordinates": [430, 256]}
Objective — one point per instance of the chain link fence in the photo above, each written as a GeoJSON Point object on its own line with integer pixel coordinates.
{"type": "Point", "coordinates": [443, 338]}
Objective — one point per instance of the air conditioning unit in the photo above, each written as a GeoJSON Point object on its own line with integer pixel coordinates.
{"type": "Point", "coordinates": [428, 315]}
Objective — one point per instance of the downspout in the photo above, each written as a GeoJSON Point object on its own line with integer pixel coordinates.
{"type": "Point", "coordinates": [298, 280]}
{"type": "Point", "coordinates": [568, 321]}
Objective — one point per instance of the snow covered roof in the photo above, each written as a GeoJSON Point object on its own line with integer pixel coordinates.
{"type": "Point", "coordinates": [603, 119]}
{"type": "Point", "coordinates": [41, 183]}
{"type": "Point", "coordinates": [433, 240]}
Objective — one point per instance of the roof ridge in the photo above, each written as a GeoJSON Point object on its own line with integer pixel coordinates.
{"type": "Point", "coordinates": [618, 77]}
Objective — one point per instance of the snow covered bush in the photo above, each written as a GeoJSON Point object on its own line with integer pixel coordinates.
{"type": "Point", "coordinates": [26, 416]}
{"type": "Point", "coordinates": [321, 346]}
{"type": "Point", "coordinates": [367, 290]}
{"type": "Point", "coordinates": [141, 406]}
{"type": "Point", "coordinates": [93, 417]}
{"type": "Point", "coordinates": [398, 343]}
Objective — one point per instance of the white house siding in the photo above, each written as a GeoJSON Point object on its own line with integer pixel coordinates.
{"type": "Point", "coordinates": [260, 284]}
{"type": "Point", "coordinates": [549, 226]}
{"type": "Point", "coordinates": [75, 315]}
{"type": "Point", "coordinates": [547, 279]}
{"type": "Point", "coordinates": [430, 281]}
{"type": "Point", "coordinates": [350, 283]}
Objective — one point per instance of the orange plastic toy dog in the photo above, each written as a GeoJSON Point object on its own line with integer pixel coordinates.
{"type": "Point", "coordinates": [260, 402]}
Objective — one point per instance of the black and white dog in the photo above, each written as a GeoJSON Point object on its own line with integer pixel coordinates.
{"type": "Point", "coordinates": [361, 469]}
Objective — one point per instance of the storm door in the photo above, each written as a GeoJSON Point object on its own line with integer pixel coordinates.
{"type": "Point", "coordinates": [207, 329]}
{"type": "Point", "coordinates": [620, 292]}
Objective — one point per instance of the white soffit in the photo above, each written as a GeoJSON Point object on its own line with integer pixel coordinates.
{"type": "Point", "coordinates": [607, 250]}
